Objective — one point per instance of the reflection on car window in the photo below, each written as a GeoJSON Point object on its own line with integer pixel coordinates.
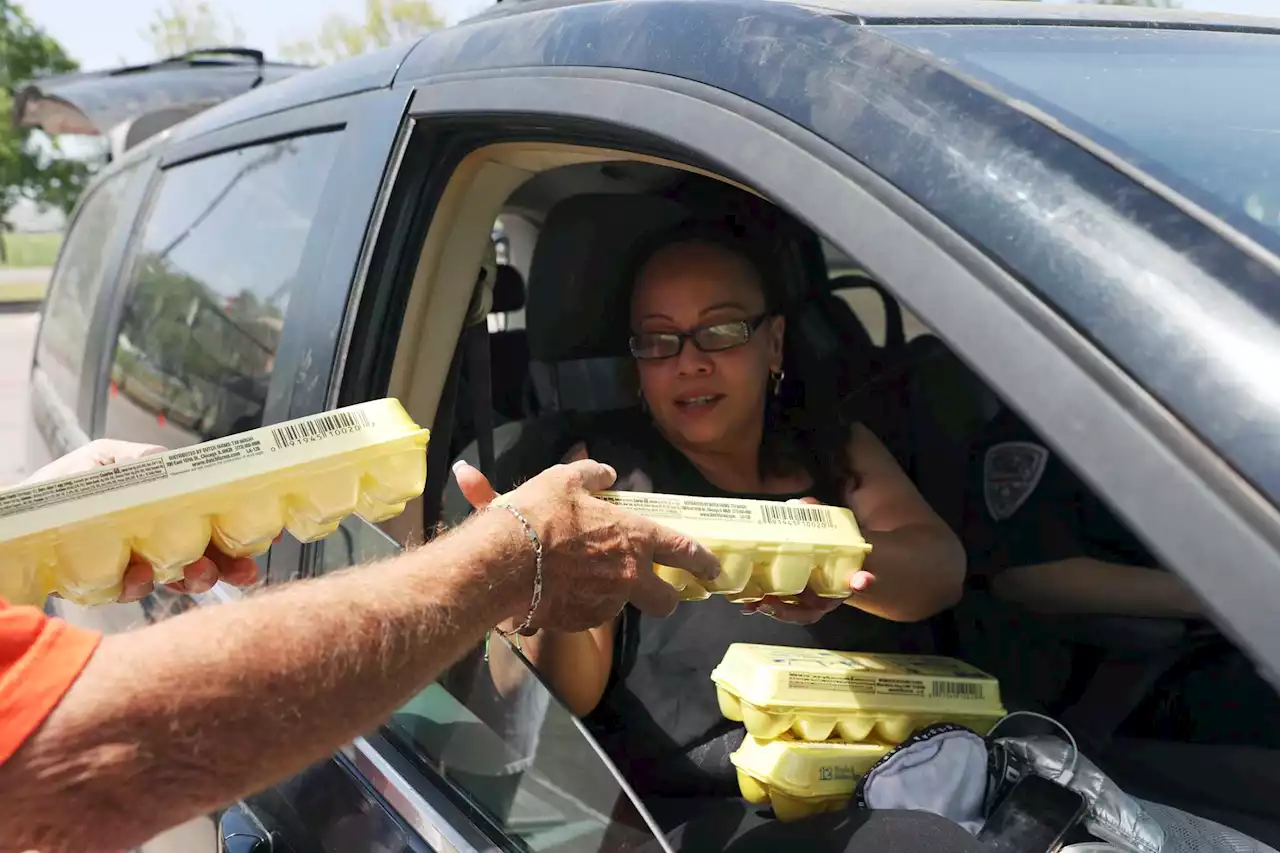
{"type": "Point", "coordinates": [1192, 107]}
{"type": "Point", "coordinates": [513, 755]}
{"type": "Point", "coordinates": [209, 287]}
{"type": "Point", "coordinates": [104, 215]}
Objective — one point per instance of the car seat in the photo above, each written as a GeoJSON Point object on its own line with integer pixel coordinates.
{"type": "Point", "coordinates": [577, 308]}
{"type": "Point", "coordinates": [577, 313]}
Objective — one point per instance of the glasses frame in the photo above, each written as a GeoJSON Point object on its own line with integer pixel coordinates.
{"type": "Point", "coordinates": [749, 324]}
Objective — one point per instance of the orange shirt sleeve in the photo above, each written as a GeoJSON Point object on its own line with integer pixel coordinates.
{"type": "Point", "coordinates": [40, 658]}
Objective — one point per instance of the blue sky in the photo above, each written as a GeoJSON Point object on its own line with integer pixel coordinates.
{"type": "Point", "coordinates": [100, 33]}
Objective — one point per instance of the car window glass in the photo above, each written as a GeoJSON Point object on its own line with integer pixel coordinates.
{"type": "Point", "coordinates": [514, 757]}
{"type": "Point", "coordinates": [209, 288]}
{"type": "Point", "coordinates": [104, 217]}
{"type": "Point", "coordinates": [867, 305]}
{"type": "Point", "coordinates": [1191, 107]}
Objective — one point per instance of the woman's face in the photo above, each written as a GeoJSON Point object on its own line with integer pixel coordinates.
{"type": "Point", "coordinates": [709, 400]}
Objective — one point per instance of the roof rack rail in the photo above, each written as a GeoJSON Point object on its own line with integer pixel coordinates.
{"type": "Point", "coordinates": [257, 56]}
{"type": "Point", "coordinates": [199, 56]}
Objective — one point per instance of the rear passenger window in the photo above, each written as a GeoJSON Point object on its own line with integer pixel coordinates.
{"type": "Point", "coordinates": [106, 213]}
{"type": "Point", "coordinates": [209, 288]}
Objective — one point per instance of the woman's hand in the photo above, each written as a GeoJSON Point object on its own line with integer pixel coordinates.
{"type": "Point", "coordinates": [139, 580]}
{"type": "Point", "coordinates": [807, 607]}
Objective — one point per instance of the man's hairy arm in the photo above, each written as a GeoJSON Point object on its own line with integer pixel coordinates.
{"type": "Point", "coordinates": [175, 720]}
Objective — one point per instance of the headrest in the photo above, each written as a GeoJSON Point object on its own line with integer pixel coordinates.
{"type": "Point", "coordinates": [482, 292]}
{"type": "Point", "coordinates": [508, 290]}
{"type": "Point", "coordinates": [577, 304]}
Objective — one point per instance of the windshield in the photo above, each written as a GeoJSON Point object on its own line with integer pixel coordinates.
{"type": "Point", "coordinates": [1193, 108]}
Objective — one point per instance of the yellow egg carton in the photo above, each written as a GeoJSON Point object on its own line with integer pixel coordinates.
{"type": "Point", "coordinates": [815, 694]}
{"type": "Point", "coordinates": [765, 547]}
{"type": "Point", "coordinates": [800, 779]}
{"type": "Point", "coordinates": [73, 536]}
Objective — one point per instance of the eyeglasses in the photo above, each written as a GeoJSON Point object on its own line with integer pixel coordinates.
{"type": "Point", "coordinates": [716, 337]}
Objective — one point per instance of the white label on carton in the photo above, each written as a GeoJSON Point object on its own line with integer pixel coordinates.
{"type": "Point", "coordinates": [198, 458]}
{"type": "Point", "coordinates": [319, 428]}
{"type": "Point", "coordinates": [969, 691]}
{"type": "Point", "coordinates": [716, 509]}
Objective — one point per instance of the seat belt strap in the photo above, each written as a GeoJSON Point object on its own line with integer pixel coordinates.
{"type": "Point", "coordinates": [479, 374]}
{"type": "Point", "coordinates": [438, 448]}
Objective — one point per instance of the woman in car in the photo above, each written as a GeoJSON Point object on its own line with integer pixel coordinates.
{"type": "Point", "coordinates": [712, 355]}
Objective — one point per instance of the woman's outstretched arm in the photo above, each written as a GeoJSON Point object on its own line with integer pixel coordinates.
{"type": "Point", "coordinates": [917, 560]}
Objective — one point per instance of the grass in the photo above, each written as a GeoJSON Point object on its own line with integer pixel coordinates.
{"type": "Point", "coordinates": [31, 250]}
{"type": "Point", "coordinates": [21, 293]}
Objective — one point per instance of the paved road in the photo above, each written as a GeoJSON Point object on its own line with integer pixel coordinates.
{"type": "Point", "coordinates": [17, 337]}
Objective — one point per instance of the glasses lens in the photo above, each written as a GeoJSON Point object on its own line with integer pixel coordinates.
{"type": "Point", "coordinates": [655, 345]}
{"type": "Point", "coordinates": [722, 336]}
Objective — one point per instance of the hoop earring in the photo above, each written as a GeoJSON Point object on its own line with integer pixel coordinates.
{"type": "Point", "coordinates": [777, 380]}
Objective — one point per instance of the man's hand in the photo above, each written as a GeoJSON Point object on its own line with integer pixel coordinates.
{"type": "Point", "coordinates": [596, 557]}
{"type": "Point", "coordinates": [95, 454]}
{"type": "Point", "coordinates": [808, 606]}
{"type": "Point", "coordinates": [139, 580]}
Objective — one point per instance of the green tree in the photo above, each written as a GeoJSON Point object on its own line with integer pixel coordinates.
{"type": "Point", "coordinates": [385, 23]}
{"type": "Point", "coordinates": [29, 163]}
{"type": "Point", "coordinates": [188, 25]}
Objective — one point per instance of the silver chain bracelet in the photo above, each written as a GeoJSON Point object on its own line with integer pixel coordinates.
{"type": "Point", "coordinates": [533, 538]}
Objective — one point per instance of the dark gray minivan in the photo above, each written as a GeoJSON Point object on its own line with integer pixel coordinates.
{"type": "Point", "coordinates": [1064, 215]}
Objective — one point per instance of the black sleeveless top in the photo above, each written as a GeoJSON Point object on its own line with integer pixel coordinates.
{"type": "Point", "coordinates": [659, 719]}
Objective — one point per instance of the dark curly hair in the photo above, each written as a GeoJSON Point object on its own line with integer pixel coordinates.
{"type": "Point", "coordinates": [802, 429]}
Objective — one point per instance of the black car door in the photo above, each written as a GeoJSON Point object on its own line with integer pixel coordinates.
{"type": "Point", "coordinates": [416, 290]}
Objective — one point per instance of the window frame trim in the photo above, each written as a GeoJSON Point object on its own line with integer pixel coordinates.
{"type": "Point", "coordinates": [317, 117]}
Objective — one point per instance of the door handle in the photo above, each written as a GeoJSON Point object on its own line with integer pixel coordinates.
{"type": "Point", "coordinates": [238, 832]}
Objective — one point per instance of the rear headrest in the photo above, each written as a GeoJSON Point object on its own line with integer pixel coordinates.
{"type": "Point", "coordinates": [577, 305]}
{"type": "Point", "coordinates": [508, 290]}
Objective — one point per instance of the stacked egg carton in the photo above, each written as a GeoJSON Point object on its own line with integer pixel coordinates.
{"type": "Point", "coordinates": [74, 536]}
{"type": "Point", "coordinates": [764, 547]}
{"type": "Point", "coordinates": [818, 720]}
